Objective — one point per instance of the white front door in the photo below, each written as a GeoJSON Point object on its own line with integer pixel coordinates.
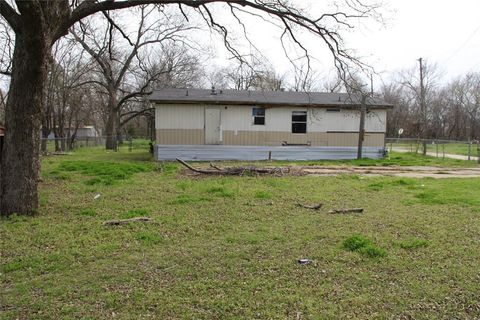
{"type": "Point", "coordinates": [213, 129]}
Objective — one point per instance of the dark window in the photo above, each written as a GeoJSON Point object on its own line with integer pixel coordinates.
{"type": "Point", "coordinates": [258, 115]}
{"type": "Point", "coordinates": [333, 110]}
{"type": "Point", "coordinates": [299, 122]}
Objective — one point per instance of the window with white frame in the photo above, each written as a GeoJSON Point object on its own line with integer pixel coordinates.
{"type": "Point", "coordinates": [299, 122]}
{"type": "Point", "coordinates": [258, 116]}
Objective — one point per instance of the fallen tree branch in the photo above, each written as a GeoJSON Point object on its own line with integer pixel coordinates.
{"type": "Point", "coordinates": [197, 170]}
{"type": "Point", "coordinates": [235, 171]}
{"type": "Point", "coordinates": [344, 211]}
{"type": "Point", "coordinates": [315, 207]}
{"type": "Point", "coordinates": [126, 221]}
{"type": "Point", "coordinates": [215, 167]}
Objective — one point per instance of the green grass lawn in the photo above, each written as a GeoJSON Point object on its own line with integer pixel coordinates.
{"type": "Point", "coordinates": [227, 247]}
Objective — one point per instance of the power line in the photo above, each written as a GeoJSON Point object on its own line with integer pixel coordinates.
{"type": "Point", "coordinates": [461, 47]}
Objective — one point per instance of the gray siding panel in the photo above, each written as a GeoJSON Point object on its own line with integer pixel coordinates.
{"type": "Point", "coordinates": [248, 153]}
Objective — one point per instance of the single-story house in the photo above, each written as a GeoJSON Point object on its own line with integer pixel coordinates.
{"type": "Point", "coordinates": [200, 124]}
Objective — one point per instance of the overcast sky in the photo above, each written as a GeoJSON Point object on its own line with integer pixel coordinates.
{"type": "Point", "coordinates": [441, 31]}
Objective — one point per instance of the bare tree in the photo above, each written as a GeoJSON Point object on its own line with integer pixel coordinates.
{"type": "Point", "coordinates": [453, 109]}
{"type": "Point", "coordinates": [3, 100]}
{"type": "Point", "coordinates": [116, 65]}
{"type": "Point", "coordinates": [39, 24]}
{"type": "Point", "coordinates": [306, 80]}
{"type": "Point", "coordinates": [6, 48]}
{"type": "Point", "coordinates": [410, 79]}
{"type": "Point", "coordinates": [173, 66]}
{"type": "Point", "coordinates": [67, 78]}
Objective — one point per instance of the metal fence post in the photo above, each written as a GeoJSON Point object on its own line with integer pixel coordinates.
{"type": "Point", "coordinates": [436, 148]}
{"type": "Point", "coordinates": [469, 150]}
{"type": "Point", "coordinates": [443, 147]}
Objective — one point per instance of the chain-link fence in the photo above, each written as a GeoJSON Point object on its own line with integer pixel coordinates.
{"type": "Point", "coordinates": [62, 145]}
{"type": "Point", "coordinates": [464, 150]}
{"type": "Point", "coordinates": [51, 145]}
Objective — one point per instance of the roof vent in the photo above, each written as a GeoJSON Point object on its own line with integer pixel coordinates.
{"type": "Point", "coordinates": [213, 93]}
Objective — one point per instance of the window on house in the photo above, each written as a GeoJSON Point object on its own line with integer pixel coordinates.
{"type": "Point", "coordinates": [333, 110]}
{"type": "Point", "coordinates": [258, 115]}
{"type": "Point", "coordinates": [299, 122]}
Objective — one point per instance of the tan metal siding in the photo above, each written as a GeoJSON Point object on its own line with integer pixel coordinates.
{"type": "Point", "coordinates": [179, 117]}
{"type": "Point", "coordinates": [184, 124]}
{"type": "Point", "coordinates": [374, 140]}
{"type": "Point", "coordinates": [350, 139]}
{"type": "Point", "coordinates": [180, 136]}
{"type": "Point", "coordinates": [259, 138]}
{"type": "Point", "coordinates": [248, 138]}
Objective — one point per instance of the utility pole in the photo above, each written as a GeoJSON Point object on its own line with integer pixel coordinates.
{"type": "Point", "coordinates": [361, 131]}
{"type": "Point", "coordinates": [423, 129]}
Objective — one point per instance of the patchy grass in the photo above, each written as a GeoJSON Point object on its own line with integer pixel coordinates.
{"type": "Point", "coordinates": [106, 173]}
{"type": "Point", "coordinates": [134, 214]}
{"type": "Point", "coordinates": [363, 246]}
{"type": "Point", "coordinates": [412, 243]}
{"type": "Point", "coordinates": [355, 243]}
{"type": "Point", "coordinates": [88, 213]}
{"type": "Point", "coordinates": [262, 195]}
{"type": "Point", "coordinates": [216, 250]}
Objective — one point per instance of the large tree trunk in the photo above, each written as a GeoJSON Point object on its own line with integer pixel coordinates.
{"type": "Point", "coordinates": [119, 130]}
{"type": "Point", "coordinates": [111, 125]}
{"type": "Point", "coordinates": [20, 159]}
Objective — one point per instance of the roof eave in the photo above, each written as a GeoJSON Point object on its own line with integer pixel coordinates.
{"type": "Point", "coordinates": [273, 104]}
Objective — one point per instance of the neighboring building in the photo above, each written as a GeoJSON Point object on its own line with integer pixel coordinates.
{"type": "Point", "coordinates": [229, 124]}
{"type": "Point", "coordinates": [82, 132]}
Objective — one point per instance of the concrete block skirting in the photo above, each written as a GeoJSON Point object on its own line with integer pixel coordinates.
{"type": "Point", "coordinates": [221, 152]}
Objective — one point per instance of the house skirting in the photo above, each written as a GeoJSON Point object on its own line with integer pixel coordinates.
{"type": "Point", "coordinates": [266, 138]}
{"type": "Point", "coordinates": [252, 153]}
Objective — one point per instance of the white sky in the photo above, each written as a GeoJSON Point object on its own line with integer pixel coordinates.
{"type": "Point", "coordinates": [441, 31]}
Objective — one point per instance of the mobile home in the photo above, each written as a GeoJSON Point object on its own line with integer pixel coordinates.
{"type": "Point", "coordinates": [199, 124]}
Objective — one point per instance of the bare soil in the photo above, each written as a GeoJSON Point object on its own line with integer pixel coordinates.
{"type": "Point", "coordinates": [397, 171]}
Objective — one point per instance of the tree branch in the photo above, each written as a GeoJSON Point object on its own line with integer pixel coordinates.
{"type": "Point", "coordinates": [10, 15]}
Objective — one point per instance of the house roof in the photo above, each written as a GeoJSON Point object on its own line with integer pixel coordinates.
{"type": "Point", "coordinates": [265, 98]}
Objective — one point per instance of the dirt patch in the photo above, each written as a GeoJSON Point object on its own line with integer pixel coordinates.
{"type": "Point", "coordinates": [409, 172]}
